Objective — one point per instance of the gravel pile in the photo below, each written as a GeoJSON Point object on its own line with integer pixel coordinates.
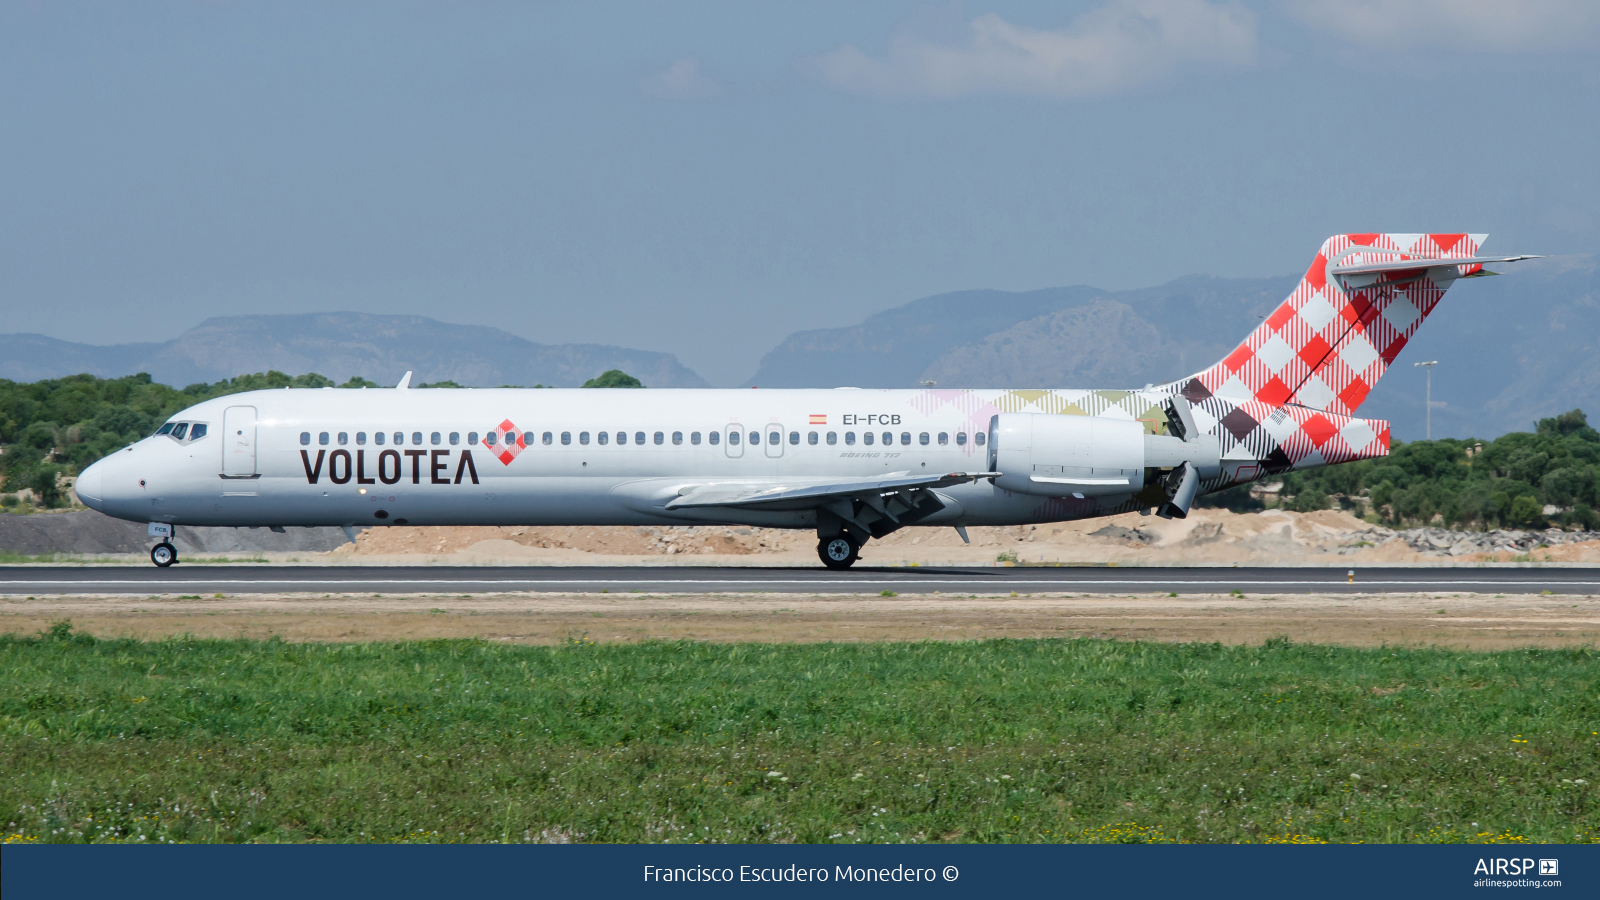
{"type": "Point", "coordinates": [87, 531]}
{"type": "Point", "coordinates": [1442, 542]}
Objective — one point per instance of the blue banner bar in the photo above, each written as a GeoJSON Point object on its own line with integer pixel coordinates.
{"type": "Point", "coordinates": [305, 872]}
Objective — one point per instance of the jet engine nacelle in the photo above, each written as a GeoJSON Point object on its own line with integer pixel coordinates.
{"type": "Point", "coordinates": [1063, 456]}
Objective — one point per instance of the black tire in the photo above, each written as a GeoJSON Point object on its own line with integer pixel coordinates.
{"type": "Point", "coordinates": [163, 554]}
{"type": "Point", "coordinates": [831, 550]}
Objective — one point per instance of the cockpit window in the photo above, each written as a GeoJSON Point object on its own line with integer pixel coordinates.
{"type": "Point", "coordinates": [167, 428]}
{"type": "Point", "coordinates": [198, 431]}
{"type": "Point", "coordinates": [179, 430]}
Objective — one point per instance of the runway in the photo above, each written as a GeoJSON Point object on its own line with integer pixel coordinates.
{"type": "Point", "coordinates": [22, 580]}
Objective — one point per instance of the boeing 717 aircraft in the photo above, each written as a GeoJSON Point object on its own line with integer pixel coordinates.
{"type": "Point", "coordinates": [851, 464]}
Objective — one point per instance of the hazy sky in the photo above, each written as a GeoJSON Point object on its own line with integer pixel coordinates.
{"type": "Point", "coordinates": [705, 178]}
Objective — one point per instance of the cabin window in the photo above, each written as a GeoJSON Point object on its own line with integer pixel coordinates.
{"type": "Point", "coordinates": [811, 438]}
{"type": "Point", "coordinates": [677, 437]}
{"type": "Point", "coordinates": [322, 438]}
{"type": "Point", "coordinates": [399, 438]}
{"type": "Point", "coordinates": [849, 438]}
{"type": "Point", "coordinates": [583, 437]}
{"type": "Point", "coordinates": [833, 438]}
{"type": "Point", "coordinates": [905, 438]}
{"type": "Point", "coordinates": [775, 437]}
{"type": "Point", "coordinates": [416, 438]}
{"type": "Point", "coordinates": [566, 437]}
{"type": "Point", "coordinates": [867, 438]}
{"type": "Point", "coordinates": [455, 438]}
{"type": "Point", "coordinates": [961, 439]}
{"type": "Point", "coordinates": [638, 437]}
{"type": "Point", "coordinates": [167, 428]}
{"type": "Point", "coordinates": [888, 438]}
{"type": "Point", "coordinates": [546, 438]}
{"type": "Point", "coordinates": [694, 438]}
{"type": "Point", "coordinates": [733, 437]}
{"type": "Point", "coordinates": [979, 438]}
{"type": "Point", "coordinates": [714, 437]}
{"type": "Point", "coordinates": [944, 438]}
{"type": "Point", "coordinates": [344, 438]}
{"type": "Point", "coordinates": [361, 439]}
{"type": "Point", "coordinates": [434, 437]}
{"type": "Point", "coordinates": [660, 438]}
{"type": "Point", "coordinates": [622, 438]}
{"type": "Point", "coordinates": [305, 436]}
{"type": "Point", "coordinates": [198, 431]}
{"type": "Point", "coordinates": [490, 439]}
{"type": "Point", "coordinates": [179, 430]}
{"type": "Point", "coordinates": [378, 437]}
{"type": "Point", "coordinates": [472, 438]}
{"type": "Point", "coordinates": [605, 438]}
{"type": "Point", "coordinates": [755, 438]}
{"type": "Point", "coordinates": [528, 439]}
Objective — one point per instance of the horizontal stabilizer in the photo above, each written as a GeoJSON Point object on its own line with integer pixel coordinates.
{"type": "Point", "coordinates": [1402, 265]}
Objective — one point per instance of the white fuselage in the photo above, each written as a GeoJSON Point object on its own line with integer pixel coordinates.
{"type": "Point", "coordinates": [420, 457]}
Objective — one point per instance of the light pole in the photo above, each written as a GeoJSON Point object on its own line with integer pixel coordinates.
{"type": "Point", "coordinates": [1428, 367]}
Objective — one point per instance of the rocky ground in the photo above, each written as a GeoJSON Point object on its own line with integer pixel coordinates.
{"type": "Point", "coordinates": [1207, 537]}
{"type": "Point", "coordinates": [87, 532]}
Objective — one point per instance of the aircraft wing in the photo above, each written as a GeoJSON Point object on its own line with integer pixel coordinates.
{"type": "Point", "coordinates": [873, 492]}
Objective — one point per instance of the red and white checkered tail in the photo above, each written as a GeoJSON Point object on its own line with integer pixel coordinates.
{"type": "Point", "coordinates": [1364, 296]}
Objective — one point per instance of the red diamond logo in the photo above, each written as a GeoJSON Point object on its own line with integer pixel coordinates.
{"type": "Point", "coordinates": [507, 442]}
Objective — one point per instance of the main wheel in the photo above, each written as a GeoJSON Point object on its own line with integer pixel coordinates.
{"type": "Point", "coordinates": [838, 552]}
{"type": "Point", "coordinates": [163, 554]}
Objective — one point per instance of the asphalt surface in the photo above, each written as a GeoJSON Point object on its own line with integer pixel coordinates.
{"type": "Point", "coordinates": [181, 579]}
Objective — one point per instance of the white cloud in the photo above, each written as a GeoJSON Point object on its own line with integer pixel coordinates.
{"type": "Point", "coordinates": [1115, 48]}
{"type": "Point", "coordinates": [682, 80]}
{"type": "Point", "coordinates": [1506, 26]}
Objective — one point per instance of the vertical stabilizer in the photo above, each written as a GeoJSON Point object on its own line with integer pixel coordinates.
{"type": "Point", "coordinates": [1361, 300]}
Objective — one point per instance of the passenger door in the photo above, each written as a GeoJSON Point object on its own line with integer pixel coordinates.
{"type": "Point", "coordinates": [733, 439]}
{"type": "Point", "coordinates": [239, 442]}
{"type": "Point", "coordinates": [774, 440]}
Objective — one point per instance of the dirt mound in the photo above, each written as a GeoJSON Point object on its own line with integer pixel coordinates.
{"type": "Point", "coordinates": [1207, 537]}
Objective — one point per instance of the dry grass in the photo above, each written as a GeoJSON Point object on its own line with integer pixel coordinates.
{"type": "Point", "coordinates": [1459, 621]}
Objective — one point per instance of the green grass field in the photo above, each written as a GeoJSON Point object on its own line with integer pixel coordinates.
{"type": "Point", "coordinates": [1049, 740]}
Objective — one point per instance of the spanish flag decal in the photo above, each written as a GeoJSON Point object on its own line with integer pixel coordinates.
{"type": "Point", "coordinates": [819, 419]}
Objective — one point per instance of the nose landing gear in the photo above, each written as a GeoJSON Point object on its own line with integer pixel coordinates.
{"type": "Point", "coordinates": [163, 554]}
{"type": "Point", "coordinates": [838, 552]}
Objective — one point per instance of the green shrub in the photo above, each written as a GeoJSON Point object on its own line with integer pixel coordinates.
{"type": "Point", "coordinates": [613, 378]}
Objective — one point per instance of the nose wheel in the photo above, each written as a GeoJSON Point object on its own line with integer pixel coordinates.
{"type": "Point", "coordinates": [838, 552]}
{"type": "Point", "coordinates": [163, 554]}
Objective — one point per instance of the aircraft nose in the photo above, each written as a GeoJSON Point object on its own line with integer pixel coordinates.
{"type": "Point", "coordinates": [91, 485]}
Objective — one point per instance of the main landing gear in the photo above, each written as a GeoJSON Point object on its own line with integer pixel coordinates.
{"type": "Point", "coordinates": [163, 554]}
{"type": "Point", "coordinates": [838, 552]}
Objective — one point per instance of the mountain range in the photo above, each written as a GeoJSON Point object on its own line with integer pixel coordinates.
{"type": "Point", "coordinates": [341, 345]}
{"type": "Point", "coordinates": [1510, 350]}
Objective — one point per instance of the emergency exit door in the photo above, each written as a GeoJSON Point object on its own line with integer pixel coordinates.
{"type": "Point", "coordinates": [239, 442]}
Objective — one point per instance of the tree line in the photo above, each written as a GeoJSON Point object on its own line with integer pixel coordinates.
{"type": "Point", "coordinates": [57, 427]}
{"type": "Point", "coordinates": [1507, 482]}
